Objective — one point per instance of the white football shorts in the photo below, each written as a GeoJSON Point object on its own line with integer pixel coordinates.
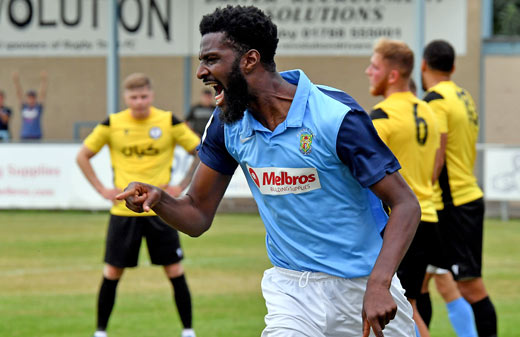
{"type": "Point", "coordinates": [320, 305]}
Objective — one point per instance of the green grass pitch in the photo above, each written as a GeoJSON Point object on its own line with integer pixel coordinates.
{"type": "Point", "coordinates": [51, 262]}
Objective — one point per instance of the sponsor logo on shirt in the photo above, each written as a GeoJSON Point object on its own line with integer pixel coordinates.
{"type": "Point", "coordinates": [279, 181]}
{"type": "Point", "coordinates": [139, 151]}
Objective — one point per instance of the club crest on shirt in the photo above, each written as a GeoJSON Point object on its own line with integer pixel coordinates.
{"type": "Point", "coordinates": [155, 132]}
{"type": "Point", "coordinates": [306, 137]}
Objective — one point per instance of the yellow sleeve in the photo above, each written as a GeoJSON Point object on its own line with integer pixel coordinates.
{"type": "Point", "coordinates": [383, 129]}
{"type": "Point", "coordinates": [98, 137]}
{"type": "Point", "coordinates": [440, 110]}
{"type": "Point", "coordinates": [381, 122]}
{"type": "Point", "coordinates": [184, 136]}
{"type": "Point", "coordinates": [433, 125]}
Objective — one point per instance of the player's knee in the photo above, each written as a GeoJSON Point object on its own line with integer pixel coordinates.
{"type": "Point", "coordinates": [174, 270]}
{"type": "Point", "coordinates": [112, 272]}
{"type": "Point", "coordinates": [447, 287]}
{"type": "Point", "coordinates": [473, 290]}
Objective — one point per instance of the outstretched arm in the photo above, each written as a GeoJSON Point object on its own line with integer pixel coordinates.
{"type": "Point", "coordinates": [18, 87]}
{"type": "Point", "coordinates": [192, 213]}
{"type": "Point", "coordinates": [42, 94]}
{"type": "Point", "coordinates": [378, 305]}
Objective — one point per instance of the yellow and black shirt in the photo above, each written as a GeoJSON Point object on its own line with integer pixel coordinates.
{"type": "Point", "coordinates": [141, 150]}
{"type": "Point", "coordinates": [408, 127]}
{"type": "Point", "coordinates": [458, 118]}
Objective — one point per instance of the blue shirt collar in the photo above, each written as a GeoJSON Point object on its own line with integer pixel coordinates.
{"type": "Point", "coordinates": [296, 111]}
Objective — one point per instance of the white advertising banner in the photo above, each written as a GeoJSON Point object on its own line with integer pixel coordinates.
{"type": "Point", "coordinates": [350, 27]}
{"type": "Point", "coordinates": [170, 27]}
{"type": "Point", "coordinates": [45, 176]}
{"type": "Point", "coordinates": [80, 27]}
{"type": "Point", "coordinates": [502, 174]}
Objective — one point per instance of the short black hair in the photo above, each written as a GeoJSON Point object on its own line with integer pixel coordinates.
{"type": "Point", "coordinates": [246, 27]}
{"type": "Point", "coordinates": [439, 55]}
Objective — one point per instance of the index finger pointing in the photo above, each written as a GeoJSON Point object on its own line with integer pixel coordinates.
{"type": "Point", "coordinates": [376, 327]}
{"type": "Point", "coordinates": [126, 194]}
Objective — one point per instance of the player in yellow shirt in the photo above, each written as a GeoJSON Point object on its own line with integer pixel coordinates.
{"type": "Point", "coordinates": [458, 197]}
{"type": "Point", "coordinates": [408, 127]}
{"type": "Point", "coordinates": [142, 140]}
{"type": "Point", "coordinates": [459, 310]}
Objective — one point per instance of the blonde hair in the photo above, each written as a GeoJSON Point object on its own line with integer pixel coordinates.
{"type": "Point", "coordinates": [137, 81]}
{"type": "Point", "coordinates": [397, 53]}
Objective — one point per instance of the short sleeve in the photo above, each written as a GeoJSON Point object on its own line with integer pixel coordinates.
{"type": "Point", "coordinates": [183, 135]}
{"type": "Point", "coordinates": [382, 124]}
{"type": "Point", "coordinates": [359, 147]}
{"type": "Point", "coordinates": [438, 104]}
{"type": "Point", "coordinates": [212, 151]}
{"type": "Point", "coordinates": [98, 137]}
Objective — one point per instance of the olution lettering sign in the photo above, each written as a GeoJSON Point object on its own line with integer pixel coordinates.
{"type": "Point", "coordinates": [170, 27]}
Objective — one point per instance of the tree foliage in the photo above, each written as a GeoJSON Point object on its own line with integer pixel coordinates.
{"type": "Point", "coordinates": [506, 17]}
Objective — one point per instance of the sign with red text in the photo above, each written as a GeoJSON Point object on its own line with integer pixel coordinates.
{"type": "Point", "coordinates": [46, 176]}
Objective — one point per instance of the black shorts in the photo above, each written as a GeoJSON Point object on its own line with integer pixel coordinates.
{"type": "Point", "coordinates": [124, 241]}
{"type": "Point", "coordinates": [462, 231]}
{"type": "Point", "coordinates": [425, 249]}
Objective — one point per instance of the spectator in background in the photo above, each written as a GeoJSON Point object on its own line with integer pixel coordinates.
{"type": "Point", "coordinates": [201, 112]}
{"type": "Point", "coordinates": [5, 114]}
{"type": "Point", "coordinates": [31, 107]}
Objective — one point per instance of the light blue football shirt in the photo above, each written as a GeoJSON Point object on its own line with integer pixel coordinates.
{"type": "Point", "coordinates": [310, 179]}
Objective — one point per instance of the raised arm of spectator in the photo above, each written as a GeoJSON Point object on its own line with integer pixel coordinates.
{"type": "Point", "coordinates": [18, 87]}
{"type": "Point", "coordinates": [192, 213]}
{"type": "Point", "coordinates": [42, 94]}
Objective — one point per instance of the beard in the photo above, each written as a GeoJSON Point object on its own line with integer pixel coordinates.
{"type": "Point", "coordinates": [236, 95]}
{"type": "Point", "coordinates": [379, 88]}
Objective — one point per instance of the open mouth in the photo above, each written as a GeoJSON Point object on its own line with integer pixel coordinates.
{"type": "Point", "coordinates": [219, 91]}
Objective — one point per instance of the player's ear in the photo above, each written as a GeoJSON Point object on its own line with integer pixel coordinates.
{"type": "Point", "coordinates": [393, 76]}
{"type": "Point", "coordinates": [423, 66]}
{"type": "Point", "coordinates": [250, 60]}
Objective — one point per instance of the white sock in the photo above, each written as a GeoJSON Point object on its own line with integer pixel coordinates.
{"type": "Point", "coordinates": [188, 333]}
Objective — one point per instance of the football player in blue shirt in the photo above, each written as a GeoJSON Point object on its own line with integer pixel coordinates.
{"type": "Point", "coordinates": [315, 165]}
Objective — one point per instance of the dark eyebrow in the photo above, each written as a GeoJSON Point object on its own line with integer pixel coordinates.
{"type": "Point", "coordinates": [207, 55]}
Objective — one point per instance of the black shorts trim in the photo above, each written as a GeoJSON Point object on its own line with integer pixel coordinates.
{"type": "Point", "coordinates": [124, 237]}
{"type": "Point", "coordinates": [462, 230]}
